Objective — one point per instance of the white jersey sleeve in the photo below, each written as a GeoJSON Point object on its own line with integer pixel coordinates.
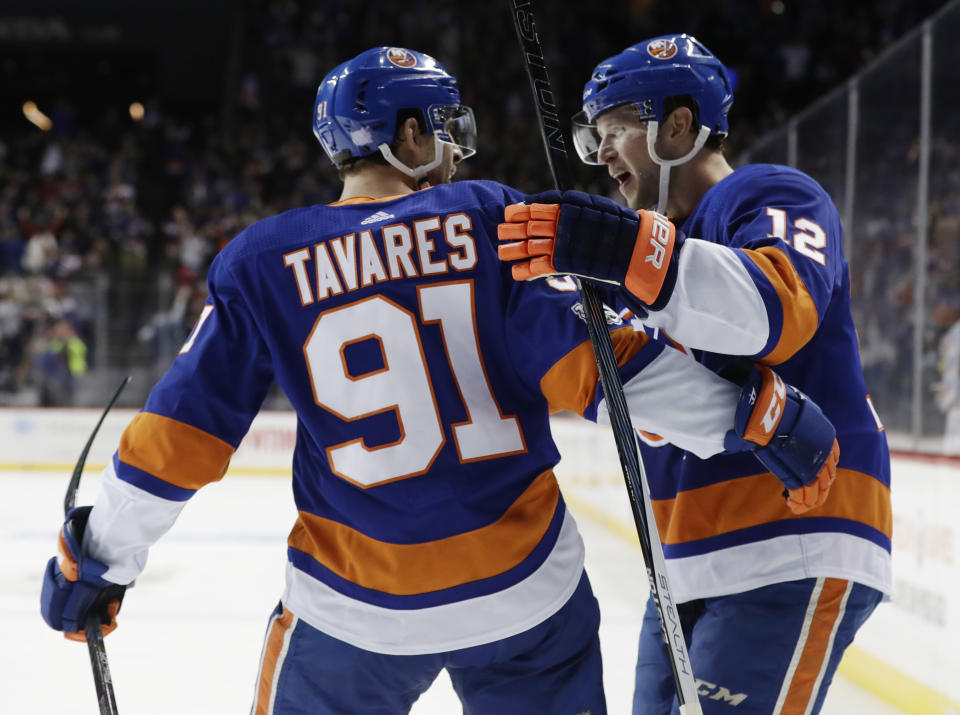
{"type": "Point", "coordinates": [682, 401]}
{"type": "Point", "coordinates": [715, 304]}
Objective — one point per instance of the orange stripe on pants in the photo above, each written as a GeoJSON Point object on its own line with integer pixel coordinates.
{"type": "Point", "coordinates": [273, 649]}
{"type": "Point", "coordinates": [805, 680]}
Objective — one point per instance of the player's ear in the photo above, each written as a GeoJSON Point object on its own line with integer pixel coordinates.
{"type": "Point", "coordinates": [408, 143]}
{"type": "Point", "coordinates": [679, 124]}
{"type": "Point", "coordinates": [678, 132]}
{"type": "Point", "coordinates": [408, 133]}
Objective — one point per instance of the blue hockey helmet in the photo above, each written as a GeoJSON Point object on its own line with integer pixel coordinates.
{"type": "Point", "coordinates": [646, 74]}
{"type": "Point", "coordinates": [355, 113]}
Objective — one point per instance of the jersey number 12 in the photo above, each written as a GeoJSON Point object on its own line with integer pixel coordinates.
{"type": "Point", "coordinates": [808, 239]}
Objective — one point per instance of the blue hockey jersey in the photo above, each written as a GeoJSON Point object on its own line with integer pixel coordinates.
{"type": "Point", "coordinates": [422, 375]}
{"type": "Point", "coordinates": [780, 296]}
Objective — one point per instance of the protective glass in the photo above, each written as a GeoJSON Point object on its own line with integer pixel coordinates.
{"type": "Point", "coordinates": [455, 125]}
{"type": "Point", "coordinates": [587, 139]}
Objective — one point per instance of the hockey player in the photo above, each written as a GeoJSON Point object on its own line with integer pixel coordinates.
{"type": "Point", "coordinates": [431, 532]}
{"type": "Point", "coordinates": [774, 595]}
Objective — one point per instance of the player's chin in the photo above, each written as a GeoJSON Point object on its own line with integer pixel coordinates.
{"type": "Point", "coordinates": [639, 200]}
{"type": "Point", "coordinates": [628, 191]}
{"type": "Point", "coordinates": [632, 198]}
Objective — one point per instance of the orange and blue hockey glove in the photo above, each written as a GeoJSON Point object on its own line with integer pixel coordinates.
{"type": "Point", "coordinates": [790, 436]}
{"type": "Point", "coordinates": [596, 238]}
{"type": "Point", "coordinates": [74, 586]}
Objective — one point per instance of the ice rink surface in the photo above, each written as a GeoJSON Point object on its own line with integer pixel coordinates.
{"type": "Point", "coordinates": [191, 631]}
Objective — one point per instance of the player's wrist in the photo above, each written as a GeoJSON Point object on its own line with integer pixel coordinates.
{"type": "Point", "coordinates": [74, 585]}
{"type": "Point", "coordinates": [652, 271]}
{"type": "Point", "coordinates": [787, 431]}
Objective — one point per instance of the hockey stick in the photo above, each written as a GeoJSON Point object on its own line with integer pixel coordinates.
{"type": "Point", "coordinates": [633, 471]}
{"type": "Point", "coordinates": [95, 646]}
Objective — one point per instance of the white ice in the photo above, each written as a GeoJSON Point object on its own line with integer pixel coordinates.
{"type": "Point", "coordinates": [191, 630]}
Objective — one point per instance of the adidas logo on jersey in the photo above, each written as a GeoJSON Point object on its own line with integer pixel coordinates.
{"type": "Point", "coordinates": [376, 218]}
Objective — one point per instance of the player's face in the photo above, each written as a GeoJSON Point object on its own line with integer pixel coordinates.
{"type": "Point", "coordinates": [443, 174]}
{"type": "Point", "coordinates": [623, 148]}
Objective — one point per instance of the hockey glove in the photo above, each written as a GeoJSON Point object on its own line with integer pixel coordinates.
{"type": "Point", "coordinates": [74, 586]}
{"type": "Point", "coordinates": [593, 237]}
{"type": "Point", "coordinates": [789, 435]}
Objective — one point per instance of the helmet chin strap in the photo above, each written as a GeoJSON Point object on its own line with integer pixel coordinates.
{"type": "Point", "coordinates": [419, 173]}
{"type": "Point", "coordinates": [665, 164]}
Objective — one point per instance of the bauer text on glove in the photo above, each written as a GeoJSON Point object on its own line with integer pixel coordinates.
{"type": "Point", "coordinates": [593, 237]}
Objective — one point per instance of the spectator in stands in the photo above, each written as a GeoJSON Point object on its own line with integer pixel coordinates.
{"type": "Point", "coordinates": [42, 252]}
{"type": "Point", "coordinates": [62, 360]}
{"type": "Point", "coordinates": [107, 191]}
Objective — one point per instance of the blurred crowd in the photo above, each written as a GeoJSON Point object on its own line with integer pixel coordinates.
{"type": "Point", "coordinates": [108, 225]}
{"type": "Point", "coordinates": [885, 278]}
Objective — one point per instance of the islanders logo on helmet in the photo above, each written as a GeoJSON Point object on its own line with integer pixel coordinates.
{"type": "Point", "coordinates": [648, 72]}
{"type": "Point", "coordinates": [401, 57]}
{"type": "Point", "coordinates": [663, 48]}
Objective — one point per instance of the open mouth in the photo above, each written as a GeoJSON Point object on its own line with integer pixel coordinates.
{"type": "Point", "coordinates": [622, 178]}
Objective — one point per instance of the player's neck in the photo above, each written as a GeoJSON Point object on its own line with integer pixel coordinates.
{"type": "Point", "coordinates": [377, 182]}
{"type": "Point", "coordinates": [689, 182]}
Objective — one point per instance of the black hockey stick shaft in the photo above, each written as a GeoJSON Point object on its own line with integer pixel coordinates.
{"type": "Point", "coordinates": [623, 432]}
{"type": "Point", "coordinates": [102, 679]}
{"type": "Point", "coordinates": [70, 500]}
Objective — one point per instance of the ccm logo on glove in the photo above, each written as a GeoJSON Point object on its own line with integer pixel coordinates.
{"type": "Point", "coordinates": [790, 436]}
{"type": "Point", "coordinates": [762, 423]}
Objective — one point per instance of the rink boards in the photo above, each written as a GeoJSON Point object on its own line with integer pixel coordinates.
{"type": "Point", "coordinates": [907, 654]}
